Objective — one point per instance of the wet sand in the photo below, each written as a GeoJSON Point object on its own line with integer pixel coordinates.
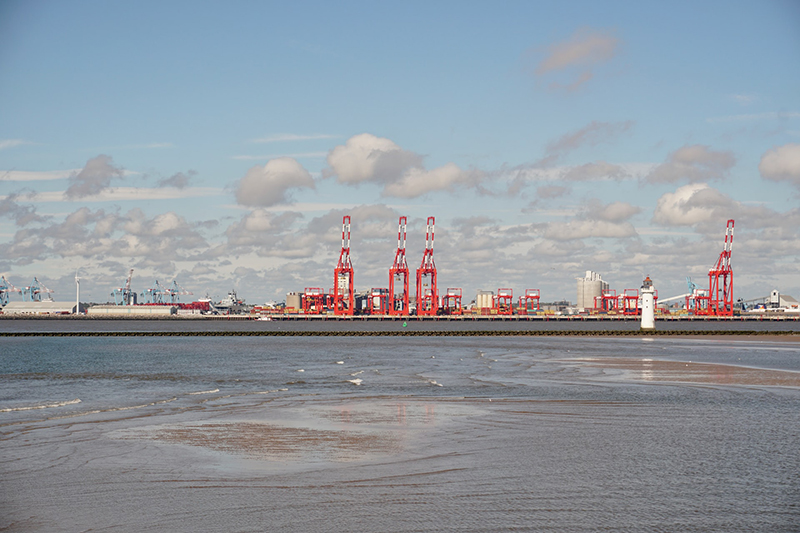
{"type": "Point", "coordinates": [690, 372]}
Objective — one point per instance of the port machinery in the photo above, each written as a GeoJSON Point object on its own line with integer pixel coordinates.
{"type": "Point", "coordinates": [33, 292]}
{"type": "Point", "coordinates": [451, 302]}
{"type": "Point", "coordinates": [718, 300]}
{"type": "Point", "coordinates": [6, 287]}
{"type": "Point", "coordinates": [398, 274]}
{"type": "Point", "coordinates": [427, 294]}
{"type": "Point", "coordinates": [343, 289]}
{"type": "Point", "coordinates": [529, 302]}
{"type": "Point", "coordinates": [123, 295]}
{"type": "Point", "coordinates": [504, 301]}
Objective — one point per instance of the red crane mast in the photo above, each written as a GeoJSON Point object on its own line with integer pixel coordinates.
{"type": "Point", "coordinates": [427, 295]}
{"type": "Point", "coordinates": [343, 291]}
{"type": "Point", "coordinates": [720, 279]}
{"type": "Point", "coordinates": [398, 301]}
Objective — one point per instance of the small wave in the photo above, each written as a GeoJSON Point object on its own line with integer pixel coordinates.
{"type": "Point", "coordinates": [42, 406]}
{"type": "Point", "coordinates": [356, 381]}
{"type": "Point", "coordinates": [205, 392]}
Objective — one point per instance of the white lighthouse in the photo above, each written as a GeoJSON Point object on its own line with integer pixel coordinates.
{"type": "Point", "coordinates": [648, 305]}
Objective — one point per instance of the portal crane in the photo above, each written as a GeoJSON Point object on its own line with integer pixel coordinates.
{"type": "Point", "coordinates": [719, 300]}
{"type": "Point", "coordinates": [154, 295]}
{"type": "Point", "coordinates": [427, 295]}
{"type": "Point", "coordinates": [175, 291]}
{"type": "Point", "coordinates": [33, 293]}
{"type": "Point", "coordinates": [343, 289]}
{"type": "Point", "coordinates": [123, 295]}
{"type": "Point", "coordinates": [398, 301]}
{"type": "Point", "coordinates": [6, 287]}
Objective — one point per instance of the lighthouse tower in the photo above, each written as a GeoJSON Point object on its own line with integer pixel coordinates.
{"type": "Point", "coordinates": [648, 305]}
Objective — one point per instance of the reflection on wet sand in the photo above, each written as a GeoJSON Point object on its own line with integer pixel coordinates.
{"type": "Point", "coordinates": [687, 371]}
{"type": "Point", "coordinates": [281, 443]}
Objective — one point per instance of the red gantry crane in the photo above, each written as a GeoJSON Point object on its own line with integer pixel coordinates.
{"type": "Point", "coordinates": [343, 291]}
{"type": "Point", "coordinates": [427, 295]}
{"type": "Point", "coordinates": [398, 301]}
{"type": "Point", "coordinates": [720, 280]}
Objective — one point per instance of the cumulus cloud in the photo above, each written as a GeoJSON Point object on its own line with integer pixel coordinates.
{"type": "Point", "coordinates": [613, 212]}
{"type": "Point", "coordinates": [94, 178]}
{"type": "Point", "coordinates": [22, 215]}
{"type": "Point", "coordinates": [270, 184]}
{"type": "Point", "coordinates": [549, 192]}
{"type": "Point", "coordinates": [581, 229]}
{"type": "Point", "coordinates": [782, 164]}
{"type": "Point", "coordinates": [178, 181]}
{"type": "Point", "coordinates": [693, 163]}
{"type": "Point", "coordinates": [592, 134]}
{"type": "Point", "coordinates": [578, 55]}
{"type": "Point", "coordinates": [366, 158]}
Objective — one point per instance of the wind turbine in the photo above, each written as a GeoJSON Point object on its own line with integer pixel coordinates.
{"type": "Point", "coordinates": [78, 294]}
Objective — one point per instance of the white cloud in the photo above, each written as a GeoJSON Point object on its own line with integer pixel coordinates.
{"type": "Point", "coordinates": [118, 194]}
{"type": "Point", "coordinates": [770, 115]}
{"type": "Point", "coordinates": [94, 178]}
{"type": "Point", "coordinates": [782, 164]}
{"type": "Point", "coordinates": [289, 137]}
{"type": "Point", "coordinates": [693, 163]}
{"type": "Point", "coordinates": [11, 143]}
{"type": "Point", "coordinates": [579, 54]}
{"type": "Point", "coordinates": [690, 205]}
{"type": "Point", "coordinates": [270, 184]}
{"type": "Point", "coordinates": [418, 181]}
{"type": "Point", "coordinates": [592, 134]}
{"type": "Point", "coordinates": [613, 212]}
{"type": "Point", "coordinates": [48, 175]}
{"type": "Point", "coordinates": [581, 229]}
{"type": "Point", "coordinates": [366, 158]}
{"type": "Point", "coordinates": [298, 155]}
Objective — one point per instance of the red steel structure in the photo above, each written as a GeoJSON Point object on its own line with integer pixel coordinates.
{"type": "Point", "coordinates": [313, 301]}
{"type": "Point", "coordinates": [451, 303]}
{"type": "Point", "coordinates": [343, 289]}
{"type": "Point", "coordinates": [398, 301]}
{"type": "Point", "coordinates": [719, 301]}
{"type": "Point", "coordinates": [427, 295]}
{"type": "Point", "coordinates": [629, 302]}
{"type": "Point", "coordinates": [504, 301]}
{"type": "Point", "coordinates": [378, 301]}
{"type": "Point", "coordinates": [607, 302]}
{"type": "Point", "coordinates": [529, 303]}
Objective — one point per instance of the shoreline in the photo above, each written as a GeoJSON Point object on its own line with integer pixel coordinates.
{"type": "Point", "coordinates": [789, 336]}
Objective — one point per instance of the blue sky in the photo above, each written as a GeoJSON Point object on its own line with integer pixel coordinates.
{"type": "Point", "coordinates": [220, 144]}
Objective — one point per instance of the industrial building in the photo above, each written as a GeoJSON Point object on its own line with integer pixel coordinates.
{"type": "Point", "coordinates": [46, 307]}
{"type": "Point", "coordinates": [590, 287]}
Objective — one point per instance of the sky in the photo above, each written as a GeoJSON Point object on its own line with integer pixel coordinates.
{"type": "Point", "coordinates": [219, 144]}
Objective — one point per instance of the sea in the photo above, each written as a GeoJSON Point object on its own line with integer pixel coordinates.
{"type": "Point", "coordinates": [395, 433]}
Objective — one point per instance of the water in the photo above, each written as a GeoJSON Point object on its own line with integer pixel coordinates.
{"type": "Point", "coordinates": [440, 434]}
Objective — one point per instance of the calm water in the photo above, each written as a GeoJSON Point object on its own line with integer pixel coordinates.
{"type": "Point", "coordinates": [398, 434]}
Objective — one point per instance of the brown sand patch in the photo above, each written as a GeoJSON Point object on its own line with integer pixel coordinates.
{"type": "Point", "coordinates": [655, 370]}
{"type": "Point", "coordinates": [280, 442]}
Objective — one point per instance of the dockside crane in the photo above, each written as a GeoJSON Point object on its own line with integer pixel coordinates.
{"type": "Point", "coordinates": [343, 289]}
{"type": "Point", "coordinates": [398, 274]}
{"type": "Point", "coordinates": [718, 300]}
{"type": "Point", "coordinates": [175, 291]}
{"type": "Point", "coordinates": [33, 293]}
{"type": "Point", "coordinates": [123, 295]}
{"type": "Point", "coordinates": [427, 294]}
{"type": "Point", "coordinates": [720, 279]}
{"type": "Point", "coordinates": [154, 295]}
{"type": "Point", "coordinates": [6, 287]}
